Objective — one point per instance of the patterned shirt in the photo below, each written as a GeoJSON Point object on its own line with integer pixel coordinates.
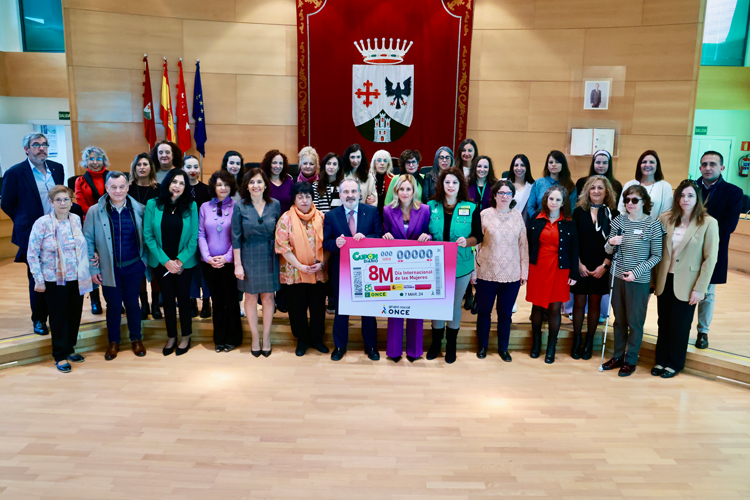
{"type": "Point", "coordinates": [288, 274]}
{"type": "Point", "coordinates": [503, 256]}
{"type": "Point", "coordinates": [42, 254]}
{"type": "Point", "coordinates": [641, 247]}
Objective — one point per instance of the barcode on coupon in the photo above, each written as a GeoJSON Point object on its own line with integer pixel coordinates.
{"type": "Point", "coordinates": [438, 276]}
{"type": "Point", "coordinates": [358, 289]}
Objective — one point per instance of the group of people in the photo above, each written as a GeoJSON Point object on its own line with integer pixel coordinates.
{"type": "Point", "coordinates": [257, 234]}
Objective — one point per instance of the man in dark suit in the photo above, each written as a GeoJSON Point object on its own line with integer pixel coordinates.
{"type": "Point", "coordinates": [724, 203]}
{"type": "Point", "coordinates": [596, 97]}
{"type": "Point", "coordinates": [25, 198]}
{"type": "Point", "coordinates": [357, 220]}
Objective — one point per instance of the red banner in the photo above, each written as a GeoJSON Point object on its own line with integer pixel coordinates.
{"type": "Point", "coordinates": [390, 75]}
{"type": "Point", "coordinates": [183, 122]}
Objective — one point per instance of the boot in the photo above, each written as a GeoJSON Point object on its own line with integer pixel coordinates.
{"type": "Point", "coordinates": [551, 345]}
{"type": "Point", "coordinates": [437, 341]}
{"type": "Point", "coordinates": [206, 309]}
{"type": "Point", "coordinates": [451, 334]}
{"type": "Point", "coordinates": [145, 309]}
{"type": "Point", "coordinates": [155, 311]}
{"type": "Point", "coordinates": [536, 343]}
{"type": "Point", "coordinates": [587, 347]}
{"type": "Point", "coordinates": [576, 346]}
{"type": "Point", "coordinates": [194, 308]}
{"type": "Point", "coordinates": [96, 302]}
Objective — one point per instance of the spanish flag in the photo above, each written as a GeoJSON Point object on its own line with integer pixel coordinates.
{"type": "Point", "coordinates": [165, 108]}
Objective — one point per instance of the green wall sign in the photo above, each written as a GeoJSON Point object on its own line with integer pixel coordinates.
{"type": "Point", "coordinates": [701, 130]}
{"type": "Point", "coordinates": [63, 115]}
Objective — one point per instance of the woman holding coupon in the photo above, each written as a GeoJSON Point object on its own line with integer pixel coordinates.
{"type": "Point", "coordinates": [453, 217]}
{"type": "Point", "coordinates": [405, 219]}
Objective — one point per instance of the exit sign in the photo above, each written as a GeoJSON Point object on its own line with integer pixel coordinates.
{"type": "Point", "coordinates": [701, 130]}
{"type": "Point", "coordinates": [63, 115]}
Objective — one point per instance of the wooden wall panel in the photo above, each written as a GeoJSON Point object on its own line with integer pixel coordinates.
{"type": "Point", "coordinates": [107, 40]}
{"type": "Point", "coordinates": [215, 10]}
{"type": "Point", "coordinates": [549, 106]}
{"type": "Point", "coordinates": [528, 55]}
{"type": "Point", "coordinates": [658, 53]}
{"type": "Point", "coordinates": [253, 141]}
{"type": "Point", "coordinates": [3, 75]}
{"type": "Point", "coordinates": [121, 141]}
{"type": "Point", "coordinates": [246, 49]}
{"type": "Point", "coordinates": [663, 108]}
{"type": "Point", "coordinates": [277, 105]}
{"type": "Point", "coordinates": [504, 14]}
{"type": "Point", "coordinates": [266, 12]}
{"type": "Point", "coordinates": [618, 116]}
{"type": "Point", "coordinates": [103, 94]}
{"type": "Point", "coordinates": [723, 87]}
{"type": "Point", "coordinates": [499, 105]}
{"type": "Point", "coordinates": [673, 151]}
{"type": "Point", "coordinates": [36, 74]}
{"type": "Point", "coordinates": [659, 12]}
{"type": "Point", "coordinates": [587, 13]}
{"type": "Point", "coordinates": [502, 146]}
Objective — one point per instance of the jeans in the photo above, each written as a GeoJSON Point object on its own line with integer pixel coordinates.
{"type": "Point", "coordinates": [458, 297]}
{"type": "Point", "coordinates": [706, 309]}
{"type": "Point", "coordinates": [126, 290]}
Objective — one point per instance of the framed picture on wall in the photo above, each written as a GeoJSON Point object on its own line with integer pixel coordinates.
{"type": "Point", "coordinates": [596, 93]}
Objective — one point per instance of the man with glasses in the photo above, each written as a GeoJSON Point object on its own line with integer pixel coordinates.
{"type": "Point", "coordinates": [25, 198]}
{"type": "Point", "coordinates": [723, 202]}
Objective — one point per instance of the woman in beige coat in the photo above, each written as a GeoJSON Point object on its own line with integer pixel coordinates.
{"type": "Point", "coordinates": [691, 246]}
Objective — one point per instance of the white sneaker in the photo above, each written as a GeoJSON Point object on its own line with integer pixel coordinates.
{"type": "Point", "coordinates": [515, 307]}
{"type": "Point", "coordinates": [242, 311]}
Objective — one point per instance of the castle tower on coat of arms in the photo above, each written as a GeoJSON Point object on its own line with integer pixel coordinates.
{"type": "Point", "coordinates": [382, 128]}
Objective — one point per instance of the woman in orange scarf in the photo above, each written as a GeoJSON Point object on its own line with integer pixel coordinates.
{"type": "Point", "coordinates": [299, 242]}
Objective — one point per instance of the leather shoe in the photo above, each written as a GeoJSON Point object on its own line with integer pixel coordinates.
{"type": "Point", "coordinates": [411, 359]}
{"type": "Point", "coordinates": [657, 370]}
{"type": "Point", "coordinates": [255, 353]}
{"type": "Point", "coordinates": [229, 348]}
{"type": "Point", "coordinates": [266, 353]}
{"type": "Point", "coordinates": [482, 353]}
{"type": "Point", "coordinates": [321, 347]}
{"type": "Point", "coordinates": [396, 359]}
{"type": "Point", "coordinates": [219, 348]}
{"type": "Point", "coordinates": [702, 341]}
{"type": "Point", "coordinates": [179, 351]}
{"type": "Point", "coordinates": [626, 370]}
{"type": "Point", "coordinates": [75, 358]}
{"type": "Point", "coordinates": [372, 353]}
{"type": "Point", "coordinates": [138, 348]}
{"type": "Point", "coordinates": [612, 364]}
{"type": "Point", "coordinates": [668, 373]}
{"type": "Point", "coordinates": [40, 328]}
{"type": "Point", "coordinates": [169, 350]}
{"type": "Point", "coordinates": [505, 356]}
{"type": "Point", "coordinates": [301, 349]}
{"type": "Point", "coordinates": [206, 309]}
{"type": "Point", "coordinates": [112, 351]}
{"type": "Point", "coordinates": [338, 353]}
{"type": "Point", "coordinates": [64, 367]}
{"type": "Point", "coordinates": [96, 308]}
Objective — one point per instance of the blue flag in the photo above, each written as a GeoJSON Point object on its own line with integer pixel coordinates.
{"type": "Point", "coordinates": [199, 116]}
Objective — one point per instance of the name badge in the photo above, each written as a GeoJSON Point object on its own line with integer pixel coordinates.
{"type": "Point", "coordinates": [637, 231]}
{"type": "Point", "coordinates": [464, 211]}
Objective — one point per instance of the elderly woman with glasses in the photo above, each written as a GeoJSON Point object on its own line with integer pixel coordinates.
{"type": "Point", "coordinates": [59, 262]}
{"type": "Point", "coordinates": [381, 168]}
{"type": "Point", "coordinates": [635, 239]}
{"type": "Point", "coordinates": [443, 161]}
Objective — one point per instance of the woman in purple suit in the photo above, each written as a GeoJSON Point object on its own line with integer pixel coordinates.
{"type": "Point", "coordinates": [405, 219]}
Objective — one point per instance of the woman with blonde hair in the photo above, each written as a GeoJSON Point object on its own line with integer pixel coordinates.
{"type": "Point", "coordinates": [406, 219]}
{"type": "Point", "coordinates": [381, 169]}
{"type": "Point", "coordinates": [691, 248]}
{"type": "Point", "coordinates": [593, 217]}
{"type": "Point", "coordinates": [309, 165]}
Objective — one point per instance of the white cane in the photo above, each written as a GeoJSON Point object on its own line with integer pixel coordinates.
{"type": "Point", "coordinates": [609, 307]}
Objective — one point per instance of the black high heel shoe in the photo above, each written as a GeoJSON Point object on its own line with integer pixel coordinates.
{"type": "Point", "coordinates": [169, 350]}
{"type": "Point", "coordinates": [266, 353]}
{"type": "Point", "coordinates": [180, 352]}
{"type": "Point", "coordinates": [255, 353]}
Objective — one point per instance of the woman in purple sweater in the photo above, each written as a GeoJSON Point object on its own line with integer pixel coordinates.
{"type": "Point", "coordinates": [215, 244]}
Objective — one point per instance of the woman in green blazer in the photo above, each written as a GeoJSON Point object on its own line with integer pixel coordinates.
{"type": "Point", "coordinates": [691, 247]}
{"type": "Point", "coordinates": [170, 229]}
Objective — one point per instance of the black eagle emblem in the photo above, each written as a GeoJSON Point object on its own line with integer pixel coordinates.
{"type": "Point", "coordinates": [398, 93]}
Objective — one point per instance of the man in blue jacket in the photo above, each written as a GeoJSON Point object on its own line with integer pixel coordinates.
{"type": "Point", "coordinates": [24, 198]}
{"type": "Point", "coordinates": [356, 220]}
{"type": "Point", "coordinates": [723, 202]}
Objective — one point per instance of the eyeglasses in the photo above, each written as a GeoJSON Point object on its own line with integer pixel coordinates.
{"type": "Point", "coordinates": [633, 200]}
{"type": "Point", "coordinates": [62, 201]}
{"type": "Point", "coordinates": [379, 160]}
{"type": "Point", "coordinates": [504, 193]}
{"type": "Point", "coordinates": [412, 162]}
{"type": "Point", "coordinates": [98, 158]}
{"type": "Point", "coordinates": [444, 158]}
{"type": "Point", "coordinates": [36, 145]}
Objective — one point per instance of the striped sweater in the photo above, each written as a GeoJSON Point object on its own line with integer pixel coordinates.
{"type": "Point", "coordinates": [641, 247]}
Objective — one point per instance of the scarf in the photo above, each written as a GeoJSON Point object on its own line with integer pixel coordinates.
{"type": "Point", "coordinates": [309, 180]}
{"type": "Point", "coordinates": [603, 220]}
{"type": "Point", "coordinates": [82, 265]}
{"type": "Point", "coordinates": [302, 249]}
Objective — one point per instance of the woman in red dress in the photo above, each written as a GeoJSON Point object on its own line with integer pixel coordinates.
{"type": "Point", "coordinates": [553, 265]}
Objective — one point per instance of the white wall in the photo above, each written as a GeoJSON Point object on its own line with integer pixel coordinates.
{"type": "Point", "coordinates": [11, 145]}
{"type": "Point", "coordinates": [10, 29]}
{"type": "Point", "coordinates": [22, 109]}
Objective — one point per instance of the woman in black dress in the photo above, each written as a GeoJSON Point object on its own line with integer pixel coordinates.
{"type": "Point", "coordinates": [593, 215]}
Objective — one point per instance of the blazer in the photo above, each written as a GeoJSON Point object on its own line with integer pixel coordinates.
{"type": "Point", "coordinates": [97, 228]}
{"type": "Point", "coordinates": [334, 225]}
{"type": "Point", "coordinates": [21, 201]}
{"type": "Point", "coordinates": [694, 265]}
{"type": "Point", "coordinates": [393, 222]}
{"type": "Point", "coordinates": [724, 205]}
{"type": "Point", "coordinates": [188, 249]}
{"type": "Point", "coordinates": [567, 257]}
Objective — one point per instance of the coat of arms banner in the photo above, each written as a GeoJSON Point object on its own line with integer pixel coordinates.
{"type": "Point", "coordinates": [391, 74]}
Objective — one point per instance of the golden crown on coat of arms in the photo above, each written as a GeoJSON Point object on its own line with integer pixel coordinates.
{"type": "Point", "coordinates": [383, 54]}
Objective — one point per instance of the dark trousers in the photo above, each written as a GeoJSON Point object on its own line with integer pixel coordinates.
{"type": "Point", "coordinates": [506, 294]}
{"type": "Point", "coordinates": [126, 291]}
{"type": "Point", "coordinates": [301, 298]}
{"type": "Point", "coordinates": [65, 306]}
{"type": "Point", "coordinates": [222, 285]}
{"type": "Point", "coordinates": [675, 322]}
{"type": "Point", "coordinates": [176, 286]}
{"type": "Point", "coordinates": [629, 303]}
{"type": "Point", "coordinates": [37, 301]}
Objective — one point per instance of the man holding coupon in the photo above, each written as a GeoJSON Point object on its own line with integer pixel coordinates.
{"type": "Point", "coordinates": [359, 221]}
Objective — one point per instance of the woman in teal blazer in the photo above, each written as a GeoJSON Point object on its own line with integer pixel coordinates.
{"type": "Point", "coordinates": [170, 229]}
